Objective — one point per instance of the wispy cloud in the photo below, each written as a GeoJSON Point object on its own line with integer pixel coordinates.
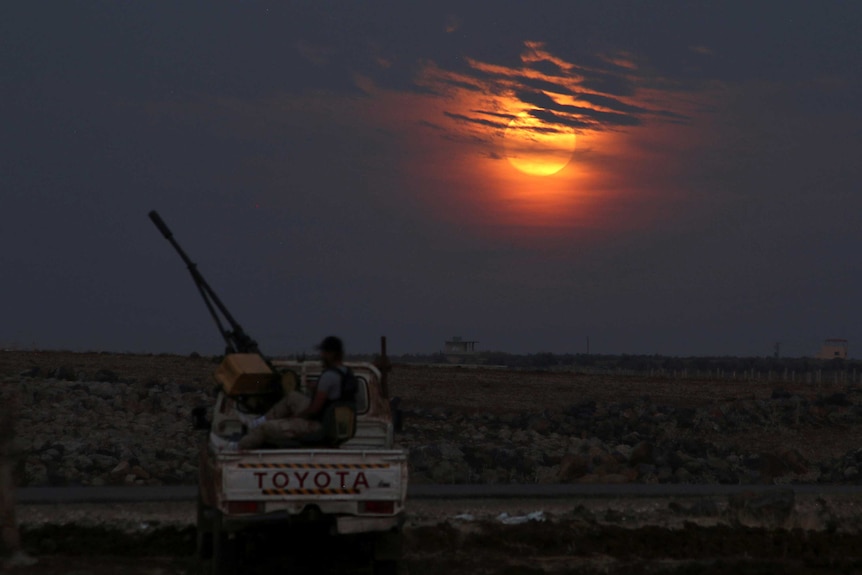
{"type": "Point", "coordinates": [702, 50]}
{"type": "Point", "coordinates": [453, 23]}
{"type": "Point", "coordinates": [601, 96]}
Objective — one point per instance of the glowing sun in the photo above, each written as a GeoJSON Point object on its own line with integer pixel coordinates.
{"type": "Point", "coordinates": [536, 147]}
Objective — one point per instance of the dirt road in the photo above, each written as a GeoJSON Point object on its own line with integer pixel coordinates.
{"type": "Point", "coordinates": [560, 547]}
{"type": "Point", "coordinates": [772, 532]}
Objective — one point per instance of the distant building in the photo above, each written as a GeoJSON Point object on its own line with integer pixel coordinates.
{"type": "Point", "coordinates": [459, 345]}
{"type": "Point", "coordinates": [458, 350]}
{"type": "Point", "coordinates": [833, 349]}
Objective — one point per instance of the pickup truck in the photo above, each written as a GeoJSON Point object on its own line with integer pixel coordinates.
{"type": "Point", "coordinates": [343, 487]}
{"type": "Point", "coordinates": [351, 497]}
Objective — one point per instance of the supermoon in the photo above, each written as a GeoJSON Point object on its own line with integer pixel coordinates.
{"type": "Point", "coordinates": [536, 147]}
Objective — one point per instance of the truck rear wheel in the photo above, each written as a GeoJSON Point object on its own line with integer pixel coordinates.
{"type": "Point", "coordinates": [387, 553]}
{"type": "Point", "coordinates": [216, 550]}
{"type": "Point", "coordinates": [204, 531]}
{"type": "Point", "coordinates": [224, 548]}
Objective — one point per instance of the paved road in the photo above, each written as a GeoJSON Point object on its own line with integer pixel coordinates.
{"type": "Point", "coordinates": [48, 495]}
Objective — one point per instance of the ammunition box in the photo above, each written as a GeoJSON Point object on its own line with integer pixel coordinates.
{"type": "Point", "coordinates": [244, 374]}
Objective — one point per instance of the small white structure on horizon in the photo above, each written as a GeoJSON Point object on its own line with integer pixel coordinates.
{"type": "Point", "coordinates": [458, 349]}
{"type": "Point", "coordinates": [459, 345]}
{"type": "Point", "coordinates": [833, 349]}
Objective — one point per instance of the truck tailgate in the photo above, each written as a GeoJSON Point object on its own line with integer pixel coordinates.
{"type": "Point", "coordinates": [319, 475]}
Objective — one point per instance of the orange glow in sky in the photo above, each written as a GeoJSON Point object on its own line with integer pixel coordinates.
{"type": "Point", "coordinates": [536, 147]}
{"type": "Point", "coordinates": [531, 149]}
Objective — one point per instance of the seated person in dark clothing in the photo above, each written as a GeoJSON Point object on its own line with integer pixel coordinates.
{"type": "Point", "coordinates": [297, 414]}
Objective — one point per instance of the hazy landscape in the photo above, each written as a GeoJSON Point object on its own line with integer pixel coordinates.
{"type": "Point", "coordinates": [121, 419]}
{"type": "Point", "coordinates": [612, 247]}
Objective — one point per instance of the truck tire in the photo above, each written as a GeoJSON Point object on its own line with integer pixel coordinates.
{"type": "Point", "coordinates": [387, 552]}
{"type": "Point", "coordinates": [205, 516]}
{"type": "Point", "coordinates": [223, 561]}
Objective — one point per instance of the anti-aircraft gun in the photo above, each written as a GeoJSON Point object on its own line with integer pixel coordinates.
{"type": "Point", "coordinates": [244, 370]}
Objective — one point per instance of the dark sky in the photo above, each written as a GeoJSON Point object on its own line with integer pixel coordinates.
{"type": "Point", "coordinates": [346, 167]}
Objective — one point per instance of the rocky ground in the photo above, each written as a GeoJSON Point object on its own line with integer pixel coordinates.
{"type": "Point", "coordinates": [640, 440]}
{"type": "Point", "coordinates": [96, 419]}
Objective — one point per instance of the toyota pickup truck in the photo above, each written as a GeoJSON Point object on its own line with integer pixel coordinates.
{"type": "Point", "coordinates": [354, 492]}
{"type": "Point", "coordinates": [335, 493]}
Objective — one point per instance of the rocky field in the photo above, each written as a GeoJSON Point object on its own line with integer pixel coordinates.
{"type": "Point", "coordinates": [95, 419]}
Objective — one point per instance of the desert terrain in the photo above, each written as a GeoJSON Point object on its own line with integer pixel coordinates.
{"type": "Point", "coordinates": [95, 419]}
{"type": "Point", "coordinates": [118, 419]}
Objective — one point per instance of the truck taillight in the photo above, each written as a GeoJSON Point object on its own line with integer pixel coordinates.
{"type": "Point", "coordinates": [377, 507]}
{"type": "Point", "coordinates": [244, 507]}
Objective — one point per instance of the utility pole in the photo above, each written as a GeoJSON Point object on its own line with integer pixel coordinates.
{"type": "Point", "coordinates": [588, 345]}
{"type": "Point", "coordinates": [777, 349]}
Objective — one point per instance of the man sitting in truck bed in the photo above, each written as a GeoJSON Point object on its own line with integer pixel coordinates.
{"type": "Point", "coordinates": [297, 414]}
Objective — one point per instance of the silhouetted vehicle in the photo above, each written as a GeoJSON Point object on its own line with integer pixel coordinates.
{"type": "Point", "coordinates": [339, 492]}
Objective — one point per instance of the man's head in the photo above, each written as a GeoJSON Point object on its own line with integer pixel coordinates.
{"type": "Point", "coordinates": [331, 350]}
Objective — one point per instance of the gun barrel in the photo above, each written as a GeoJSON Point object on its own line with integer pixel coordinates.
{"type": "Point", "coordinates": [237, 340]}
{"type": "Point", "coordinates": [160, 223]}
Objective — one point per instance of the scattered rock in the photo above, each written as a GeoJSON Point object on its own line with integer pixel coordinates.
{"type": "Point", "coordinates": [64, 373]}
{"type": "Point", "coordinates": [795, 461]}
{"type": "Point", "coordinates": [543, 475]}
{"type": "Point", "coordinates": [105, 390]}
{"type": "Point", "coordinates": [837, 399]}
{"type": "Point", "coordinates": [643, 452]}
{"type": "Point", "coordinates": [769, 509]}
{"type": "Point", "coordinates": [448, 472]}
{"type": "Point", "coordinates": [703, 507]}
{"type": "Point", "coordinates": [139, 472]}
{"type": "Point", "coordinates": [610, 478]}
{"type": "Point", "coordinates": [685, 417]}
{"type": "Point", "coordinates": [771, 467]}
{"type": "Point", "coordinates": [105, 376]}
{"type": "Point", "coordinates": [122, 469]}
{"type": "Point", "coordinates": [664, 474]}
{"type": "Point", "coordinates": [624, 451]}
{"type": "Point", "coordinates": [573, 466]}
{"type": "Point", "coordinates": [539, 424]}
{"type": "Point", "coordinates": [36, 474]}
{"type": "Point", "coordinates": [682, 475]}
